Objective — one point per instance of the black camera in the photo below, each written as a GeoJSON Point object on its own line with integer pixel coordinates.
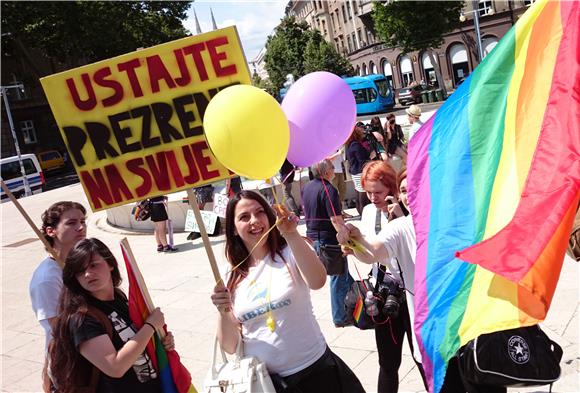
{"type": "Point", "coordinates": [389, 296]}
{"type": "Point", "coordinates": [370, 138]}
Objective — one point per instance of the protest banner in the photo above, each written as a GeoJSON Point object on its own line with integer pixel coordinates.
{"type": "Point", "coordinates": [220, 203]}
{"type": "Point", "coordinates": [133, 124]}
{"type": "Point", "coordinates": [209, 221]}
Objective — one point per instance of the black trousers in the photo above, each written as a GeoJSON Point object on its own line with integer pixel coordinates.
{"type": "Point", "coordinates": [389, 338]}
{"type": "Point", "coordinates": [327, 374]}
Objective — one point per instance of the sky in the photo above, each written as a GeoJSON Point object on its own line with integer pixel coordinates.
{"type": "Point", "coordinates": [255, 20]}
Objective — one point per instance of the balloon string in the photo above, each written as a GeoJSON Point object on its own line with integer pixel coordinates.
{"type": "Point", "coordinates": [328, 196]}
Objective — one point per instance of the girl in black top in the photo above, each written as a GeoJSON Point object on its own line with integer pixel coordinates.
{"type": "Point", "coordinates": [91, 280]}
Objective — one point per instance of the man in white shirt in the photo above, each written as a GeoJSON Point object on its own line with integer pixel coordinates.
{"type": "Point", "coordinates": [414, 116]}
{"type": "Point", "coordinates": [63, 225]}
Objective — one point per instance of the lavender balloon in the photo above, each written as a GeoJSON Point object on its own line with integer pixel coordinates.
{"type": "Point", "coordinates": [321, 112]}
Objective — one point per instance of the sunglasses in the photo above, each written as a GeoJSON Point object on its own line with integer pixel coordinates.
{"type": "Point", "coordinates": [392, 121]}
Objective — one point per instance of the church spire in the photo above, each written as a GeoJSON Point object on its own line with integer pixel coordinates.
{"type": "Point", "coordinates": [197, 28]}
{"type": "Point", "coordinates": [213, 24]}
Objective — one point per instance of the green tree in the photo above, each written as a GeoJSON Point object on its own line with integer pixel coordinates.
{"type": "Point", "coordinates": [296, 49]}
{"type": "Point", "coordinates": [417, 25]}
{"type": "Point", "coordinates": [79, 32]}
{"type": "Point", "coordinates": [321, 56]}
{"type": "Point", "coordinates": [263, 84]}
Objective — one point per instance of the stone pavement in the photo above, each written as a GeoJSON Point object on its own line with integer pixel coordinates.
{"type": "Point", "coordinates": [181, 283]}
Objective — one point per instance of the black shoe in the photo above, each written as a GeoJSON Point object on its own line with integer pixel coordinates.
{"type": "Point", "coordinates": [193, 236]}
{"type": "Point", "coordinates": [169, 248]}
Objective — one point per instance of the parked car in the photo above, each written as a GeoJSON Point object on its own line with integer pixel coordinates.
{"type": "Point", "coordinates": [410, 95]}
{"type": "Point", "coordinates": [12, 175]}
{"type": "Point", "coordinates": [51, 160]}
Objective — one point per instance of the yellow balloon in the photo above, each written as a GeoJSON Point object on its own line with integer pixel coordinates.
{"type": "Point", "coordinates": [247, 131]}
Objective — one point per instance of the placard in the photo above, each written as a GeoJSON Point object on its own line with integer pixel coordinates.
{"type": "Point", "coordinates": [133, 124]}
{"type": "Point", "coordinates": [209, 221]}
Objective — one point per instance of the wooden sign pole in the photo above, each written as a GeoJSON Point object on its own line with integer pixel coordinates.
{"type": "Point", "coordinates": [49, 248]}
{"type": "Point", "coordinates": [212, 261]}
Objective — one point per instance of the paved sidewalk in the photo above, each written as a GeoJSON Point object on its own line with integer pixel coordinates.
{"type": "Point", "coordinates": [180, 283]}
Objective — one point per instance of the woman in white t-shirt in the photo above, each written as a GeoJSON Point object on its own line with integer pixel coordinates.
{"type": "Point", "coordinates": [267, 299]}
{"type": "Point", "coordinates": [391, 242]}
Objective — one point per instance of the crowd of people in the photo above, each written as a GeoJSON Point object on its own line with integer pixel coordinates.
{"type": "Point", "coordinates": [264, 299]}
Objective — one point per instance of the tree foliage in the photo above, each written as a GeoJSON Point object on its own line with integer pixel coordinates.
{"type": "Point", "coordinates": [415, 25]}
{"type": "Point", "coordinates": [264, 84]}
{"type": "Point", "coordinates": [296, 49]}
{"type": "Point", "coordinates": [78, 32]}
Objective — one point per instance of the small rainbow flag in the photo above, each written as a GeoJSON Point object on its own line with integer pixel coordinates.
{"type": "Point", "coordinates": [173, 376]}
{"type": "Point", "coordinates": [358, 309]}
{"type": "Point", "coordinates": [494, 183]}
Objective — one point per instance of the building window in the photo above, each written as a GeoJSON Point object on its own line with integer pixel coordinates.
{"type": "Point", "coordinates": [332, 20]}
{"type": "Point", "coordinates": [484, 7]}
{"type": "Point", "coordinates": [387, 71]}
{"type": "Point", "coordinates": [343, 14]}
{"type": "Point", "coordinates": [459, 63]}
{"type": "Point", "coordinates": [349, 14]}
{"type": "Point", "coordinates": [406, 68]}
{"type": "Point", "coordinates": [370, 38]}
{"type": "Point", "coordinates": [28, 133]}
{"type": "Point", "coordinates": [488, 44]}
{"type": "Point", "coordinates": [349, 43]}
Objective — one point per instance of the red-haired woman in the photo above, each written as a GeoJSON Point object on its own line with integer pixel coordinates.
{"type": "Point", "coordinates": [391, 242]}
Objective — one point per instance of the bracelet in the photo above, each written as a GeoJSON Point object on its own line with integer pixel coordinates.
{"type": "Point", "coordinates": [152, 327]}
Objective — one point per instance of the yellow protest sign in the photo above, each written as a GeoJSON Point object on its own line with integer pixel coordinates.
{"type": "Point", "coordinates": [133, 124]}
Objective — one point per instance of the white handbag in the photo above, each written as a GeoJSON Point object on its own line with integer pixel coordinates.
{"type": "Point", "coordinates": [240, 375]}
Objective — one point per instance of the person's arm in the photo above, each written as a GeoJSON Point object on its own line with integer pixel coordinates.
{"type": "Point", "coordinates": [228, 329]}
{"type": "Point", "coordinates": [308, 263]}
{"type": "Point", "coordinates": [374, 250]}
{"type": "Point", "coordinates": [101, 352]}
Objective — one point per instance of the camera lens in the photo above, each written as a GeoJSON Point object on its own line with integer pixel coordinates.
{"type": "Point", "coordinates": [391, 307]}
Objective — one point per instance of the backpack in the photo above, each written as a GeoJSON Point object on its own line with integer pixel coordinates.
{"type": "Point", "coordinates": [86, 371]}
{"type": "Point", "coordinates": [142, 211]}
{"type": "Point", "coordinates": [523, 356]}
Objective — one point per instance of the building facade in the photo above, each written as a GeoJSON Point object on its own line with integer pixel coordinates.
{"type": "Point", "coordinates": [34, 124]}
{"type": "Point", "coordinates": [348, 25]}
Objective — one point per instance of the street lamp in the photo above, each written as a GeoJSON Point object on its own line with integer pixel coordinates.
{"type": "Point", "coordinates": [475, 13]}
{"type": "Point", "coordinates": [16, 145]}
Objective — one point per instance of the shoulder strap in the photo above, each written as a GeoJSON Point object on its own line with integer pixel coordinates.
{"type": "Point", "coordinates": [378, 221]}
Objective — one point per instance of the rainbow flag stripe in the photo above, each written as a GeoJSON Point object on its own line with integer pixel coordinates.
{"type": "Point", "coordinates": [494, 183]}
{"type": "Point", "coordinates": [358, 309]}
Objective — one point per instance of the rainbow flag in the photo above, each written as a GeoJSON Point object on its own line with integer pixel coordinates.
{"type": "Point", "coordinates": [358, 309]}
{"type": "Point", "coordinates": [494, 183]}
{"type": "Point", "coordinates": [173, 375]}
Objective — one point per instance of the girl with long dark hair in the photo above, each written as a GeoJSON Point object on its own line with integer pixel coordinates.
{"type": "Point", "coordinates": [94, 330]}
{"type": "Point", "coordinates": [267, 299]}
